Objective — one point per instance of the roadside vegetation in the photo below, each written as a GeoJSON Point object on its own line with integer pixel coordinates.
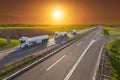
{"type": "Point", "coordinates": [4, 44]}
{"type": "Point", "coordinates": [111, 30]}
{"type": "Point", "coordinates": [113, 48]}
{"type": "Point", "coordinates": [66, 28]}
{"type": "Point", "coordinates": [51, 28]}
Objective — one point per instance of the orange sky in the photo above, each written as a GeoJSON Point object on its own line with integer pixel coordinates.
{"type": "Point", "coordinates": [74, 11]}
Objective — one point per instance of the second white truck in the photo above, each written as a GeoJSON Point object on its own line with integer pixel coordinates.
{"type": "Point", "coordinates": [60, 34]}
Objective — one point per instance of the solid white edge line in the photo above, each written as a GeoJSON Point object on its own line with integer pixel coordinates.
{"type": "Point", "coordinates": [55, 63]}
{"type": "Point", "coordinates": [8, 52]}
{"type": "Point", "coordinates": [98, 62]}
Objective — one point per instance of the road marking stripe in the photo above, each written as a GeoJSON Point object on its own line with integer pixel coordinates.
{"type": "Point", "coordinates": [55, 63]}
{"type": "Point", "coordinates": [98, 62]}
{"type": "Point", "coordinates": [79, 43]}
{"type": "Point", "coordinates": [8, 52]}
{"type": "Point", "coordinates": [9, 49]}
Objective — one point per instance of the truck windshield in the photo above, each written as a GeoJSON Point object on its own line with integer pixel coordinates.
{"type": "Point", "coordinates": [22, 42]}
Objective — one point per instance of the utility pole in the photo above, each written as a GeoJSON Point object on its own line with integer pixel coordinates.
{"type": "Point", "coordinates": [8, 40]}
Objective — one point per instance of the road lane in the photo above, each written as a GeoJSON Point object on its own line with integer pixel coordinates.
{"type": "Point", "coordinates": [55, 63]}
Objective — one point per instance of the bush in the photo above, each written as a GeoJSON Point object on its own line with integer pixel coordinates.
{"type": "Point", "coordinates": [114, 50]}
{"type": "Point", "coordinates": [3, 43]}
{"type": "Point", "coordinates": [111, 31]}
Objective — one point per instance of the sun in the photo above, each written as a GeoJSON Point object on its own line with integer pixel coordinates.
{"type": "Point", "coordinates": [57, 14]}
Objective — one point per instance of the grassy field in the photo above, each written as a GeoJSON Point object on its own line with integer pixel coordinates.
{"type": "Point", "coordinates": [113, 48]}
{"type": "Point", "coordinates": [66, 28]}
{"type": "Point", "coordinates": [51, 28]}
{"type": "Point", "coordinates": [3, 43]}
{"type": "Point", "coordinates": [114, 51]}
{"type": "Point", "coordinates": [111, 30]}
{"type": "Point", "coordinates": [17, 32]}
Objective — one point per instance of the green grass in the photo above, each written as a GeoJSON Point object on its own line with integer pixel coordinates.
{"type": "Point", "coordinates": [63, 28]}
{"type": "Point", "coordinates": [51, 28]}
{"type": "Point", "coordinates": [3, 43]}
{"type": "Point", "coordinates": [113, 48]}
{"type": "Point", "coordinates": [111, 31]}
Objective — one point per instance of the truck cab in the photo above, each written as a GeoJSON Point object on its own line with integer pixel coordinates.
{"type": "Point", "coordinates": [24, 42]}
{"type": "Point", "coordinates": [73, 32]}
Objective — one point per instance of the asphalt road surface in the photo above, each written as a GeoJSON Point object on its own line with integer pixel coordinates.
{"type": "Point", "coordinates": [11, 55]}
{"type": "Point", "coordinates": [75, 62]}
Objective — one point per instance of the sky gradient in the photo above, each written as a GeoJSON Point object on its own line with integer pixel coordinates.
{"type": "Point", "coordinates": [74, 11]}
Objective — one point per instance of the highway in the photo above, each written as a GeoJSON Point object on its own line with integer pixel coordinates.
{"type": "Point", "coordinates": [13, 54]}
{"type": "Point", "coordinates": [75, 62]}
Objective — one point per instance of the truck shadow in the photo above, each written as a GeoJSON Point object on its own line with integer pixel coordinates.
{"type": "Point", "coordinates": [61, 39]}
{"type": "Point", "coordinates": [75, 34]}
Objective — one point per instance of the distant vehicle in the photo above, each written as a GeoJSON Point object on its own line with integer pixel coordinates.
{"type": "Point", "coordinates": [60, 34]}
{"type": "Point", "coordinates": [102, 36]}
{"type": "Point", "coordinates": [26, 41]}
{"type": "Point", "coordinates": [73, 32]}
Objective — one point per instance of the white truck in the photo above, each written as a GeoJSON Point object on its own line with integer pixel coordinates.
{"type": "Point", "coordinates": [73, 32]}
{"type": "Point", "coordinates": [60, 34]}
{"type": "Point", "coordinates": [26, 41]}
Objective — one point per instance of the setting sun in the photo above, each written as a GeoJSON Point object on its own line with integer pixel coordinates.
{"type": "Point", "coordinates": [57, 14]}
